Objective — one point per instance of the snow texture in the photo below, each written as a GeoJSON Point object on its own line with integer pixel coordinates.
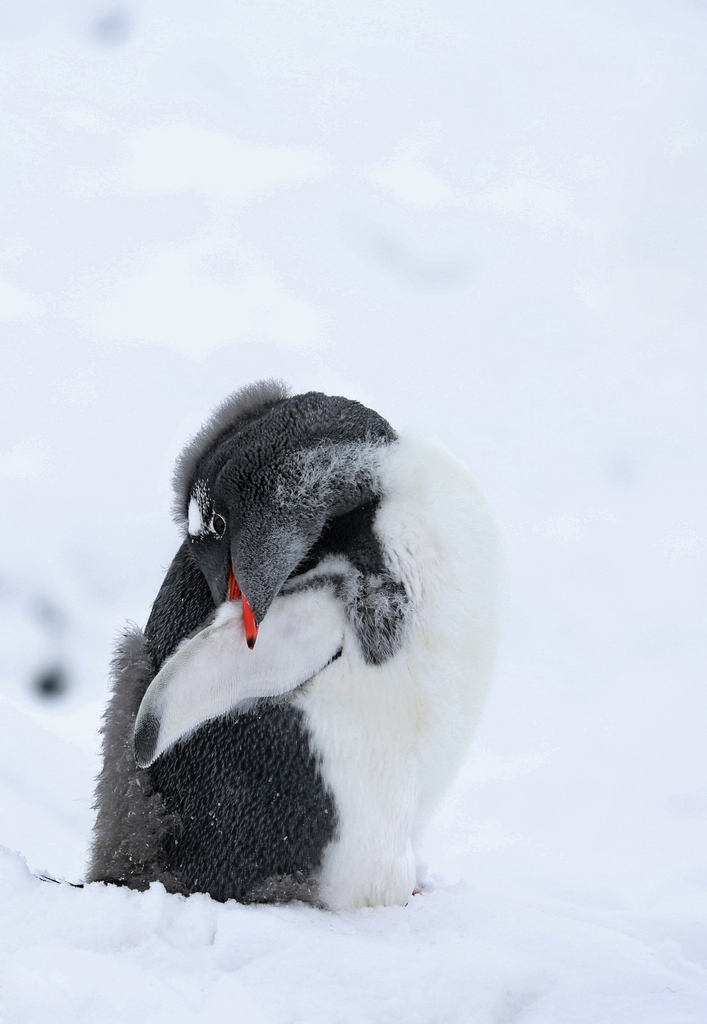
{"type": "Point", "coordinates": [488, 223]}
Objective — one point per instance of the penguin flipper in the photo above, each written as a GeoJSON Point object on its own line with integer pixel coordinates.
{"type": "Point", "coordinates": [183, 603]}
{"type": "Point", "coordinates": [215, 673]}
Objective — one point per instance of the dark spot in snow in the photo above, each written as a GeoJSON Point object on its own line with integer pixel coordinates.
{"type": "Point", "coordinates": [48, 613]}
{"type": "Point", "coordinates": [51, 682]}
{"type": "Point", "coordinates": [113, 29]}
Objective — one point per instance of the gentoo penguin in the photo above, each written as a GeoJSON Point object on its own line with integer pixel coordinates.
{"type": "Point", "coordinates": [312, 667]}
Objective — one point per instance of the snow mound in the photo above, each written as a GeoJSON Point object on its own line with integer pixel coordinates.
{"type": "Point", "coordinates": [102, 953]}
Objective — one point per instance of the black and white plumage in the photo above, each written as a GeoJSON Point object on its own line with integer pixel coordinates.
{"type": "Point", "coordinates": [304, 767]}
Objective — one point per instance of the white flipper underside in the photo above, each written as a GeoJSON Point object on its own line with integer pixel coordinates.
{"type": "Point", "coordinates": [215, 673]}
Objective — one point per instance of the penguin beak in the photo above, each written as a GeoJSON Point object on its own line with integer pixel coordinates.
{"type": "Point", "coordinates": [235, 592]}
{"type": "Point", "coordinates": [262, 558]}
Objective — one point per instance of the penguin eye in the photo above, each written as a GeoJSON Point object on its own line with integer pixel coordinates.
{"type": "Point", "coordinates": [218, 524]}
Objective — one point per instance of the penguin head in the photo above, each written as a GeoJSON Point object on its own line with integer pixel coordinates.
{"type": "Point", "coordinates": [264, 479]}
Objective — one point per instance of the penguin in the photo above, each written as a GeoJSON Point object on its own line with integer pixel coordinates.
{"type": "Point", "coordinates": [312, 668]}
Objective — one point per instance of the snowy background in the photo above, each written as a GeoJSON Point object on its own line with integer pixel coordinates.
{"type": "Point", "coordinates": [488, 221]}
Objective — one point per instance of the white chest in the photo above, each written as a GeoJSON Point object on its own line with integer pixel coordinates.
{"type": "Point", "coordinates": [364, 723]}
{"type": "Point", "coordinates": [390, 738]}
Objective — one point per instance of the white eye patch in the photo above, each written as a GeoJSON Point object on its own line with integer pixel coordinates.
{"type": "Point", "coordinates": [198, 513]}
{"type": "Point", "coordinates": [195, 522]}
{"type": "Point", "coordinates": [215, 673]}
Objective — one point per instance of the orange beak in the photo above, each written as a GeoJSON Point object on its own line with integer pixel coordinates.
{"type": "Point", "coordinates": [251, 626]}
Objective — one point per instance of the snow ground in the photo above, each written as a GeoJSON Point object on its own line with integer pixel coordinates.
{"type": "Point", "coordinates": [487, 221]}
{"type": "Point", "coordinates": [462, 954]}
